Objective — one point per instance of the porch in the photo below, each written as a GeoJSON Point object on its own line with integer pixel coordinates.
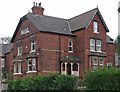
{"type": "Point", "coordinates": [70, 65]}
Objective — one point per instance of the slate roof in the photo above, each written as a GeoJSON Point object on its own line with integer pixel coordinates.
{"type": "Point", "coordinates": [18, 59]}
{"type": "Point", "coordinates": [58, 25]}
{"type": "Point", "coordinates": [83, 20]}
{"type": "Point", "coordinates": [32, 55]}
{"type": "Point", "coordinates": [49, 24]}
{"type": "Point", "coordinates": [70, 59]}
{"type": "Point", "coordinates": [109, 39]}
{"type": "Point", "coordinates": [5, 48]}
{"type": "Point", "coordinates": [96, 54]}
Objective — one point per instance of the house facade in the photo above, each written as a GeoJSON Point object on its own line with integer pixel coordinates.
{"type": "Point", "coordinates": [5, 50]}
{"type": "Point", "coordinates": [44, 44]}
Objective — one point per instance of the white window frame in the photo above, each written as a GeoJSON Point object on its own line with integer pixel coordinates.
{"type": "Point", "coordinates": [70, 46]}
{"type": "Point", "coordinates": [109, 65]}
{"type": "Point", "coordinates": [94, 64]}
{"type": "Point", "coordinates": [2, 62]}
{"type": "Point", "coordinates": [92, 45]}
{"type": "Point", "coordinates": [15, 67]}
{"type": "Point", "coordinates": [33, 64]}
{"type": "Point", "coordinates": [29, 65]}
{"type": "Point", "coordinates": [19, 67]}
{"type": "Point", "coordinates": [19, 50]}
{"type": "Point", "coordinates": [90, 63]}
{"type": "Point", "coordinates": [95, 27]}
{"type": "Point", "coordinates": [98, 46]}
{"type": "Point", "coordinates": [32, 44]}
{"type": "Point", "coordinates": [25, 30]}
{"type": "Point", "coordinates": [101, 65]}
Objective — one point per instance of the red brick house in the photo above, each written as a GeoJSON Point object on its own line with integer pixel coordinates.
{"type": "Point", "coordinates": [5, 50]}
{"type": "Point", "coordinates": [44, 44]}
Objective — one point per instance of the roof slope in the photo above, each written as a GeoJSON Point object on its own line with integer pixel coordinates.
{"type": "Point", "coordinates": [49, 24]}
{"type": "Point", "coordinates": [59, 25]}
{"type": "Point", "coordinates": [109, 39]}
{"type": "Point", "coordinates": [5, 48]}
{"type": "Point", "coordinates": [83, 20]}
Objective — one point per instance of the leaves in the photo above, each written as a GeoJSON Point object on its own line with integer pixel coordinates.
{"type": "Point", "coordinates": [103, 79]}
{"type": "Point", "coordinates": [44, 82]}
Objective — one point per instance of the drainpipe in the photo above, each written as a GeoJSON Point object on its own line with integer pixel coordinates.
{"type": "Point", "coordinates": [60, 51]}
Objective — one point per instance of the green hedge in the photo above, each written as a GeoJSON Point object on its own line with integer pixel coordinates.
{"type": "Point", "coordinates": [44, 82]}
{"type": "Point", "coordinates": [103, 79]}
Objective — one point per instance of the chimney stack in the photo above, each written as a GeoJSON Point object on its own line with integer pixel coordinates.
{"type": "Point", "coordinates": [37, 9]}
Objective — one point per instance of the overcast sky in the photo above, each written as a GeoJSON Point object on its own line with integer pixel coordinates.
{"type": "Point", "coordinates": [12, 10]}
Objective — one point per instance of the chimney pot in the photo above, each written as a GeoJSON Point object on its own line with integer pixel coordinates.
{"type": "Point", "coordinates": [36, 4]}
{"type": "Point", "coordinates": [40, 4]}
{"type": "Point", "coordinates": [33, 3]}
{"type": "Point", "coordinates": [37, 9]}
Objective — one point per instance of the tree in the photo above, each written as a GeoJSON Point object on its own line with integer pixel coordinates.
{"type": "Point", "coordinates": [117, 45]}
{"type": "Point", "coordinates": [5, 40]}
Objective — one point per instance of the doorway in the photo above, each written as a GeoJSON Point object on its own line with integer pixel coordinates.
{"type": "Point", "coordinates": [69, 69]}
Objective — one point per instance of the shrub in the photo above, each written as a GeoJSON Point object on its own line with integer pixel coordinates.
{"type": "Point", "coordinates": [103, 79]}
{"type": "Point", "coordinates": [44, 82]}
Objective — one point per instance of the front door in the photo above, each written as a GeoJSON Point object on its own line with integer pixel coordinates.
{"type": "Point", "coordinates": [69, 69]}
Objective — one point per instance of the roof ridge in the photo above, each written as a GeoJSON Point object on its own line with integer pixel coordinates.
{"type": "Point", "coordinates": [83, 13]}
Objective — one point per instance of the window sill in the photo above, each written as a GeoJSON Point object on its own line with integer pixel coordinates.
{"type": "Point", "coordinates": [17, 73]}
{"type": "Point", "coordinates": [32, 51]}
{"type": "Point", "coordinates": [19, 55]}
{"type": "Point", "coordinates": [99, 51]}
{"type": "Point", "coordinates": [31, 71]}
{"type": "Point", "coordinates": [96, 32]}
{"type": "Point", "coordinates": [70, 51]}
{"type": "Point", "coordinates": [92, 50]}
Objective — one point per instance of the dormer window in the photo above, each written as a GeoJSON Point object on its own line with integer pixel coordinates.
{"type": "Point", "coordinates": [95, 27]}
{"type": "Point", "coordinates": [25, 30]}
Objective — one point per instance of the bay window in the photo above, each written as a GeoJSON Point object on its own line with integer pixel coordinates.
{"type": "Point", "coordinates": [95, 63]}
{"type": "Point", "coordinates": [17, 67]}
{"type": "Point", "coordinates": [31, 65]}
{"type": "Point", "coordinates": [90, 63]}
{"type": "Point", "coordinates": [101, 63]}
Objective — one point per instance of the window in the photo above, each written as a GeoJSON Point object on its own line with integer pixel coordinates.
{"type": "Point", "coordinates": [19, 50]}
{"type": "Point", "coordinates": [70, 46]}
{"type": "Point", "coordinates": [92, 44]}
{"type": "Point", "coordinates": [109, 65]}
{"type": "Point", "coordinates": [101, 63]}
{"type": "Point", "coordinates": [2, 62]}
{"type": "Point", "coordinates": [90, 64]}
{"type": "Point", "coordinates": [17, 67]}
{"type": "Point", "coordinates": [31, 65]}
{"type": "Point", "coordinates": [98, 45]}
{"type": "Point", "coordinates": [32, 45]}
{"type": "Point", "coordinates": [95, 63]}
{"type": "Point", "coordinates": [25, 30]}
{"type": "Point", "coordinates": [75, 67]}
{"type": "Point", "coordinates": [95, 26]}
